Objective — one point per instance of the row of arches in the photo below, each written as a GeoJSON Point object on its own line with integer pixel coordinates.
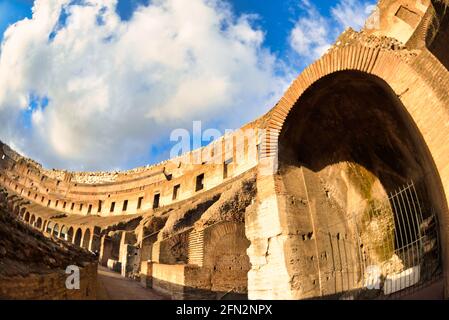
{"type": "Point", "coordinates": [81, 237]}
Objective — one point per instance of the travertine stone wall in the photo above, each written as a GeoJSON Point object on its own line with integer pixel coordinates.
{"type": "Point", "coordinates": [397, 71]}
{"type": "Point", "coordinates": [420, 81]}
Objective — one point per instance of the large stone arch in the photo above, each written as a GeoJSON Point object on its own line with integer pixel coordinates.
{"type": "Point", "coordinates": [26, 217]}
{"type": "Point", "coordinates": [78, 237]}
{"type": "Point", "coordinates": [272, 230]}
{"type": "Point", "coordinates": [39, 223]}
{"type": "Point", "coordinates": [95, 242]}
{"type": "Point", "coordinates": [86, 238]}
{"type": "Point", "coordinates": [63, 233]}
{"type": "Point", "coordinates": [69, 237]}
{"type": "Point", "coordinates": [49, 228]}
{"type": "Point", "coordinates": [32, 220]}
{"type": "Point", "coordinates": [55, 230]}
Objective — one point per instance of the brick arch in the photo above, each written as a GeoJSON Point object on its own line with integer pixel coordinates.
{"type": "Point", "coordinates": [225, 256]}
{"type": "Point", "coordinates": [221, 231]}
{"type": "Point", "coordinates": [359, 58]}
{"type": "Point", "coordinates": [409, 75]}
{"type": "Point", "coordinates": [395, 71]}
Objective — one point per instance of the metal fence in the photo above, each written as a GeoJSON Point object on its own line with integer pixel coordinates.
{"type": "Point", "coordinates": [387, 250]}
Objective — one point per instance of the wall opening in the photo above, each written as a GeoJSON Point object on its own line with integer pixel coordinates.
{"type": "Point", "coordinates": [78, 236]}
{"type": "Point", "coordinates": [361, 190]}
{"type": "Point", "coordinates": [176, 191]}
{"type": "Point", "coordinates": [139, 203]}
{"type": "Point", "coordinates": [156, 200]}
{"type": "Point", "coordinates": [32, 220]}
{"type": "Point", "coordinates": [56, 230]}
{"type": "Point", "coordinates": [112, 207]}
{"type": "Point", "coordinates": [39, 223]}
{"type": "Point", "coordinates": [86, 239]}
{"type": "Point", "coordinates": [63, 233]}
{"type": "Point", "coordinates": [199, 182]}
{"type": "Point", "coordinates": [125, 205]}
{"type": "Point", "coordinates": [50, 226]}
{"type": "Point", "coordinates": [69, 237]}
{"type": "Point", "coordinates": [226, 165]}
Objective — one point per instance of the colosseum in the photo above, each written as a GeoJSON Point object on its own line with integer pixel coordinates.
{"type": "Point", "coordinates": [340, 191]}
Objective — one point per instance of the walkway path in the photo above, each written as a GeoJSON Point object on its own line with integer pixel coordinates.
{"type": "Point", "coordinates": [112, 286]}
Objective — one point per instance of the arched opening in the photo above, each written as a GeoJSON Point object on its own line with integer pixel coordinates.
{"type": "Point", "coordinates": [56, 230]}
{"type": "Point", "coordinates": [225, 256]}
{"type": "Point", "coordinates": [78, 236]}
{"type": "Point", "coordinates": [96, 240]}
{"type": "Point", "coordinates": [69, 237]}
{"type": "Point", "coordinates": [39, 223]}
{"type": "Point", "coordinates": [86, 239]}
{"type": "Point", "coordinates": [32, 220]}
{"type": "Point", "coordinates": [361, 191]}
{"type": "Point", "coordinates": [27, 217]}
{"type": "Point", "coordinates": [49, 228]}
{"type": "Point", "coordinates": [63, 233]}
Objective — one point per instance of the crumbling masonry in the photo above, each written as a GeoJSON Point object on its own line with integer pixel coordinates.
{"type": "Point", "coordinates": [341, 192]}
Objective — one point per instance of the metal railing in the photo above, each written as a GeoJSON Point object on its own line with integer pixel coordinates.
{"type": "Point", "coordinates": [388, 249]}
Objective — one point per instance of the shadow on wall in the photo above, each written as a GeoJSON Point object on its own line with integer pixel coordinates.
{"type": "Point", "coordinates": [353, 117]}
{"type": "Point", "coordinates": [344, 148]}
{"type": "Point", "coordinates": [180, 292]}
{"type": "Point", "coordinates": [437, 35]}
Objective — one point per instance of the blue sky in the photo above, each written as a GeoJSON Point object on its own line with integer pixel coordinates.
{"type": "Point", "coordinates": [276, 18]}
{"type": "Point", "coordinates": [99, 93]}
{"type": "Point", "coordinates": [12, 11]}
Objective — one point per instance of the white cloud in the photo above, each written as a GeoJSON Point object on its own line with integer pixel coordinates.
{"type": "Point", "coordinates": [314, 33]}
{"type": "Point", "coordinates": [352, 13]}
{"type": "Point", "coordinates": [310, 38]}
{"type": "Point", "coordinates": [114, 86]}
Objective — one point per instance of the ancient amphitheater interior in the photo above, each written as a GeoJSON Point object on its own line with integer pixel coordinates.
{"type": "Point", "coordinates": [340, 191]}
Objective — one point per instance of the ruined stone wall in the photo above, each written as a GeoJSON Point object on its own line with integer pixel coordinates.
{"type": "Point", "coordinates": [133, 191]}
{"type": "Point", "coordinates": [402, 63]}
{"type": "Point", "coordinates": [50, 286]}
{"type": "Point", "coordinates": [419, 81]}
